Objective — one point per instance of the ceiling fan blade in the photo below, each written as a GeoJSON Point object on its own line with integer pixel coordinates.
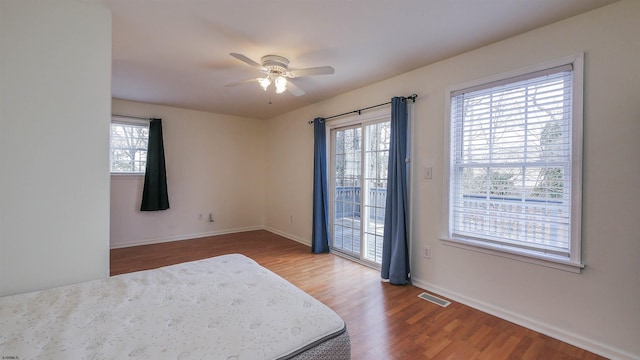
{"type": "Point", "coordinates": [321, 70]}
{"type": "Point", "coordinates": [242, 82]}
{"type": "Point", "coordinates": [294, 89]}
{"type": "Point", "coordinates": [247, 61]}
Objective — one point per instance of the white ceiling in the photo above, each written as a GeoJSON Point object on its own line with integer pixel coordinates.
{"type": "Point", "coordinates": [176, 52]}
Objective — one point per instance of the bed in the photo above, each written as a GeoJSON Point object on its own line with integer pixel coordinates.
{"type": "Point", "coordinates": [227, 307]}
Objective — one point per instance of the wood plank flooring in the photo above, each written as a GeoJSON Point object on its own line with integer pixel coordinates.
{"type": "Point", "coordinates": [384, 321]}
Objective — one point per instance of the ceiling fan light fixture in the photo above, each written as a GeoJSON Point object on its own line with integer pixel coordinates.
{"type": "Point", "coordinates": [264, 82]}
{"type": "Point", "coordinates": [275, 69]}
{"type": "Point", "coordinates": [281, 84]}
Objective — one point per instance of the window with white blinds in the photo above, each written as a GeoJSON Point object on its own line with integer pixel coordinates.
{"type": "Point", "coordinates": [511, 179]}
{"type": "Point", "coordinates": [129, 142]}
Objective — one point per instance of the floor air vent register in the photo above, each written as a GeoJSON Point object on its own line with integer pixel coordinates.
{"type": "Point", "coordinates": [434, 299]}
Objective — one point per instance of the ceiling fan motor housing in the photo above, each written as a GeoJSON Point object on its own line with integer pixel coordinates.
{"type": "Point", "coordinates": [275, 64]}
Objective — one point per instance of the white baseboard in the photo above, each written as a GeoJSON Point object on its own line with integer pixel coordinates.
{"type": "Point", "coordinates": [562, 335]}
{"type": "Point", "coordinates": [288, 236]}
{"type": "Point", "coordinates": [184, 237]}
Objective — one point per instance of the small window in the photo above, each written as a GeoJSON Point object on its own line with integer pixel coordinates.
{"type": "Point", "coordinates": [514, 165]}
{"type": "Point", "coordinates": [129, 142]}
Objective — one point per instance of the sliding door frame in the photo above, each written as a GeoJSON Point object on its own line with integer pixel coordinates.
{"type": "Point", "coordinates": [370, 117]}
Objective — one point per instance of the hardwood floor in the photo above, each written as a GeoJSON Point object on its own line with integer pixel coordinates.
{"type": "Point", "coordinates": [384, 321]}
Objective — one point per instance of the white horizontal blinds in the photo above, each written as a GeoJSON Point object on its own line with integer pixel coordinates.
{"type": "Point", "coordinates": [129, 143]}
{"type": "Point", "coordinates": [511, 162]}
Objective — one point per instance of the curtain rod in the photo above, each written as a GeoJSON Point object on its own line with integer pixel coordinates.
{"type": "Point", "coordinates": [132, 117]}
{"type": "Point", "coordinates": [411, 97]}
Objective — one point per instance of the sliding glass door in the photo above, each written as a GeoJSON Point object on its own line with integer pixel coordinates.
{"type": "Point", "coordinates": [359, 160]}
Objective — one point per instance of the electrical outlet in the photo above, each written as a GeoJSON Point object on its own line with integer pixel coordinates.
{"type": "Point", "coordinates": [291, 219]}
{"type": "Point", "coordinates": [428, 172]}
{"type": "Point", "coordinates": [426, 252]}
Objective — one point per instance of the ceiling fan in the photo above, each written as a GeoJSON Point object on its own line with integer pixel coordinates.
{"type": "Point", "coordinates": [276, 71]}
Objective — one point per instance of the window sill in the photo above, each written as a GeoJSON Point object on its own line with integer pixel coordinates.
{"type": "Point", "coordinates": [515, 254]}
{"type": "Point", "coordinates": [126, 175]}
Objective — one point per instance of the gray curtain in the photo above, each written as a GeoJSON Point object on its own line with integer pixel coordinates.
{"type": "Point", "coordinates": [395, 245]}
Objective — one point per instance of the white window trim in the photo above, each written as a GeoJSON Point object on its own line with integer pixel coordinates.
{"type": "Point", "coordinates": [574, 262]}
{"type": "Point", "coordinates": [127, 174]}
{"type": "Point", "coordinates": [115, 119]}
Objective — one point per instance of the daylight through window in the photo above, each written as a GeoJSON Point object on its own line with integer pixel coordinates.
{"type": "Point", "coordinates": [511, 180]}
{"type": "Point", "coordinates": [129, 143]}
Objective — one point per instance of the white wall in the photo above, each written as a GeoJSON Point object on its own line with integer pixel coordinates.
{"type": "Point", "coordinates": [55, 83]}
{"type": "Point", "coordinates": [289, 176]}
{"type": "Point", "coordinates": [598, 309]}
{"type": "Point", "coordinates": [215, 164]}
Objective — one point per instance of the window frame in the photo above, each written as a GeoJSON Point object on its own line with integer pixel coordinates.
{"type": "Point", "coordinates": [131, 122]}
{"type": "Point", "coordinates": [574, 262]}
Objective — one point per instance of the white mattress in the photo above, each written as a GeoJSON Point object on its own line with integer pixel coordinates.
{"type": "Point", "coordinates": [226, 307]}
